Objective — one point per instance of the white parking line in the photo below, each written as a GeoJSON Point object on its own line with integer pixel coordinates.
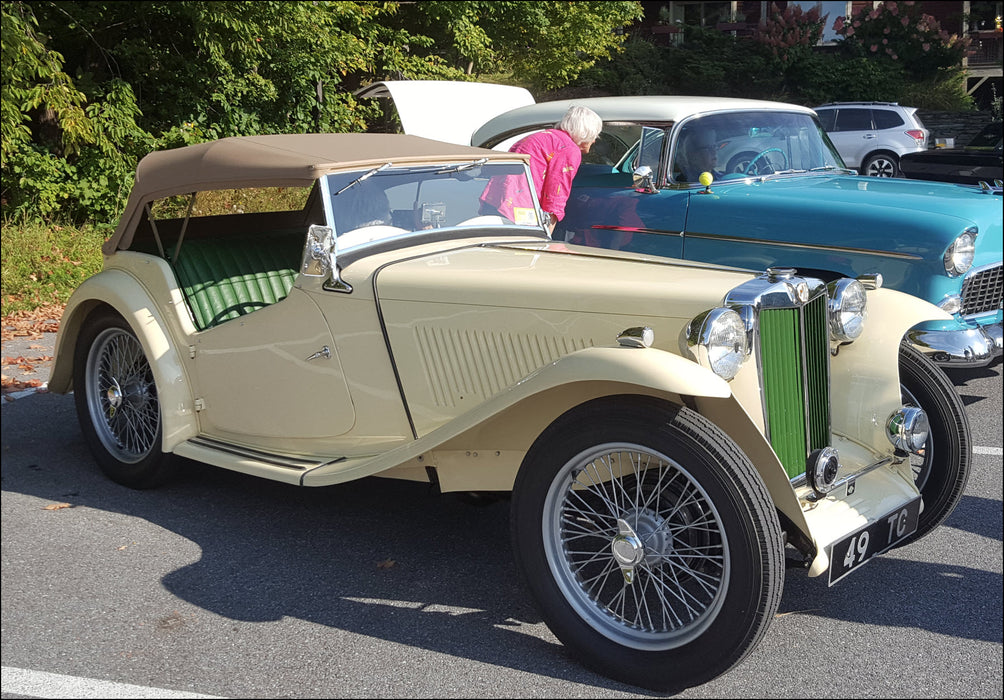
{"type": "Point", "coordinates": [38, 684]}
{"type": "Point", "coordinates": [999, 451]}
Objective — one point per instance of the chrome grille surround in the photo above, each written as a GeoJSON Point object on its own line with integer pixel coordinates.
{"type": "Point", "coordinates": [787, 320]}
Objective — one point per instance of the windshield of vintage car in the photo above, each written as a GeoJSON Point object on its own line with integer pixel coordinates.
{"type": "Point", "coordinates": [388, 201]}
{"type": "Point", "coordinates": [741, 144]}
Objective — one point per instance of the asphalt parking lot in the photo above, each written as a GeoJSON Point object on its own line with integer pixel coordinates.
{"type": "Point", "coordinates": [230, 586]}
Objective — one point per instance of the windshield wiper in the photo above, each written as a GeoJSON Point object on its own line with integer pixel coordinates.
{"type": "Point", "coordinates": [463, 166]}
{"type": "Point", "coordinates": [364, 176]}
{"type": "Point", "coordinates": [830, 167]}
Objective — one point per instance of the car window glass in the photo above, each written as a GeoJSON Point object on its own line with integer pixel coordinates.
{"type": "Point", "coordinates": [886, 119]}
{"type": "Point", "coordinates": [399, 201]}
{"type": "Point", "coordinates": [740, 144]}
{"type": "Point", "coordinates": [827, 117]}
{"type": "Point", "coordinates": [614, 142]}
{"type": "Point", "coordinates": [853, 120]}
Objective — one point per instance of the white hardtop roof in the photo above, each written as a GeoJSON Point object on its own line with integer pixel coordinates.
{"type": "Point", "coordinates": [656, 109]}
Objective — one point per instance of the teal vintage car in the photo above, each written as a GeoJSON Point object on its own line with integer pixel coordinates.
{"type": "Point", "coordinates": [779, 195]}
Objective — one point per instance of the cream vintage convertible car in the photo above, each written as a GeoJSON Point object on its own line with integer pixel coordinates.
{"type": "Point", "coordinates": [319, 308]}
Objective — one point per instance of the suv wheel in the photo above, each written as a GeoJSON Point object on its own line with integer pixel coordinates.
{"type": "Point", "coordinates": [881, 165]}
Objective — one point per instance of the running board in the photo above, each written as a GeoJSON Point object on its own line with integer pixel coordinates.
{"type": "Point", "coordinates": [284, 468]}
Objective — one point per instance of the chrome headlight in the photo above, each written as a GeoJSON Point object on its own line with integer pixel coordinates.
{"type": "Point", "coordinates": [959, 256]}
{"type": "Point", "coordinates": [848, 302]}
{"type": "Point", "coordinates": [718, 340]}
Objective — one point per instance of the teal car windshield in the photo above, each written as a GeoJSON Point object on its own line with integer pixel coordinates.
{"type": "Point", "coordinates": [741, 144]}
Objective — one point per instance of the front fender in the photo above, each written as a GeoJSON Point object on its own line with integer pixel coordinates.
{"type": "Point", "coordinates": [122, 293]}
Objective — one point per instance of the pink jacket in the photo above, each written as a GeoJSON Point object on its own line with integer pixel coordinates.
{"type": "Point", "coordinates": [554, 160]}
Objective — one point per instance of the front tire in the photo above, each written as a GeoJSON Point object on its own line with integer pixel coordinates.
{"type": "Point", "coordinates": [648, 542]}
{"type": "Point", "coordinates": [117, 404]}
{"type": "Point", "coordinates": [881, 165]}
{"type": "Point", "coordinates": [942, 471]}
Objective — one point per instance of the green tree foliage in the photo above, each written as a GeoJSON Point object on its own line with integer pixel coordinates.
{"type": "Point", "coordinates": [543, 44]}
{"type": "Point", "coordinates": [89, 87]}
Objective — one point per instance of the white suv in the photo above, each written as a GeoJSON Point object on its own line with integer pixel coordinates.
{"type": "Point", "coordinates": [871, 136]}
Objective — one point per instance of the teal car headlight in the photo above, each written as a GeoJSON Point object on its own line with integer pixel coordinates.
{"type": "Point", "coordinates": [848, 309]}
{"type": "Point", "coordinates": [959, 256]}
{"type": "Point", "coordinates": [719, 341]}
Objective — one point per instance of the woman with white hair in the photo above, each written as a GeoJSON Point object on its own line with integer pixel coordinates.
{"type": "Point", "coordinates": [555, 156]}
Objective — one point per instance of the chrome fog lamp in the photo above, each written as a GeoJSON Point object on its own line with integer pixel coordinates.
{"type": "Point", "coordinates": [959, 256]}
{"type": "Point", "coordinates": [908, 429]}
{"type": "Point", "coordinates": [848, 302]}
{"type": "Point", "coordinates": [952, 304]}
{"type": "Point", "coordinates": [821, 469]}
{"type": "Point", "coordinates": [718, 338]}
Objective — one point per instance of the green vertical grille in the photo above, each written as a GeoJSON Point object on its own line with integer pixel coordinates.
{"type": "Point", "coordinates": [817, 366]}
{"type": "Point", "coordinates": [780, 343]}
{"type": "Point", "coordinates": [793, 351]}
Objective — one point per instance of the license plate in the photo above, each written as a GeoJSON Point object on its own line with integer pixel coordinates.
{"type": "Point", "coordinates": [855, 549]}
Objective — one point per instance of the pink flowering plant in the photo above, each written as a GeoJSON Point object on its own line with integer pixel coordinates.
{"type": "Point", "coordinates": [900, 32]}
{"type": "Point", "coordinates": [791, 34]}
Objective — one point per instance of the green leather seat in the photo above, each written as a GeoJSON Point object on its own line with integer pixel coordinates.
{"type": "Point", "coordinates": [223, 279]}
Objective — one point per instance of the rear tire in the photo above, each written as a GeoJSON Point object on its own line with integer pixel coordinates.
{"type": "Point", "coordinates": [648, 542]}
{"type": "Point", "coordinates": [117, 404]}
{"type": "Point", "coordinates": [942, 472]}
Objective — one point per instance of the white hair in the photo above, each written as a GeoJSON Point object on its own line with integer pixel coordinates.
{"type": "Point", "coordinates": [581, 123]}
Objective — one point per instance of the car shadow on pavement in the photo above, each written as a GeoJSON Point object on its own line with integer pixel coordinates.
{"type": "Point", "coordinates": [395, 561]}
{"type": "Point", "coordinates": [383, 558]}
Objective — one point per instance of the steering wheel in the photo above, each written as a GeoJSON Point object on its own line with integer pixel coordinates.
{"type": "Point", "coordinates": [750, 170]}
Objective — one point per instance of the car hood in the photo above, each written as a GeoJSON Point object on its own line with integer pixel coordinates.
{"type": "Point", "coordinates": [913, 217]}
{"type": "Point", "coordinates": [446, 110]}
{"type": "Point", "coordinates": [553, 276]}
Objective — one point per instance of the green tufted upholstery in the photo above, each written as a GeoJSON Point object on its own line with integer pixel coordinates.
{"type": "Point", "coordinates": [226, 278]}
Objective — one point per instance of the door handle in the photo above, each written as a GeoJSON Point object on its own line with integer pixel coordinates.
{"type": "Point", "coordinates": [324, 352]}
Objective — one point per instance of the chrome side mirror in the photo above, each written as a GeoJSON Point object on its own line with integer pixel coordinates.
{"type": "Point", "coordinates": [318, 252]}
{"type": "Point", "coordinates": [320, 258]}
{"type": "Point", "coordinates": [643, 180]}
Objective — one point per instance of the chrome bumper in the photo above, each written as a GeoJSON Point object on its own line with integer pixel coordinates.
{"type": "Point", "coordinates": [973, 347]}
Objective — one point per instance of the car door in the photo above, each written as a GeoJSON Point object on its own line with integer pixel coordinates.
{"type": "Point", "coordinates": [619, 207]}
{"type": "Point", "coordinates": [272, 374]}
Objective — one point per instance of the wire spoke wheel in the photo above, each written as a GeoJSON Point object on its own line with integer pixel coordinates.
{"type": "Point", "coordinates": [122, 396]}
{"type": "Point", "coordinates": [118, 405]}
{"type": "Point", "coordinates": [648, 541]}
{"type": "Point", "coordinates": [636, 546]}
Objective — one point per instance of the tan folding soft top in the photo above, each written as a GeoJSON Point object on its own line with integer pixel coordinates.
{"type": "Point", "coordinates": [279, 160]}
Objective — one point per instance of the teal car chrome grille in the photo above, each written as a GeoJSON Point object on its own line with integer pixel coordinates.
{"type": "Point", "coordinates": [794, 362]}
{"type": "Point", "coordinates": [982, 290]}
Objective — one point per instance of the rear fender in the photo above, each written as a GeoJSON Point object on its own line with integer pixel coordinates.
{"type": "Point", "coordinates": [119, 291]}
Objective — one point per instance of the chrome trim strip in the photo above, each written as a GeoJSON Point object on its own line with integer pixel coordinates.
{"type": "Point", "coordinates": [784, 244]}
{"type": "Point", "coordinates": [635, 229]}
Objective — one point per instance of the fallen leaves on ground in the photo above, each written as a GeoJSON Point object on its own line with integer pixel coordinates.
{"type": "Point", "coordinates": [32, 324]}
{"type": "Point", "coordinates": [57, 506]}
{"type": "Point", "coordinates": [28, 325]}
